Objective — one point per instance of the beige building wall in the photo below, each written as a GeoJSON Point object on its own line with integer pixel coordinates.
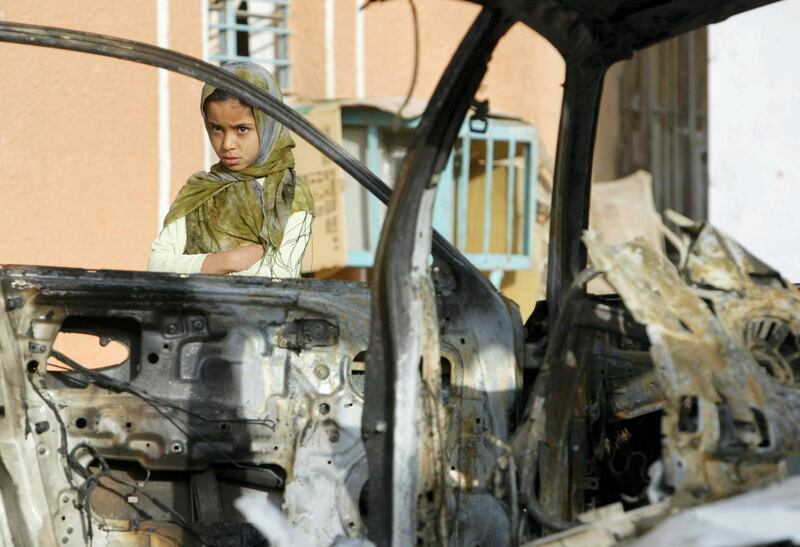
{"type": "Point", "coordinates": [524, 78]}
{"type": "Point", "coordinates": [79, 144]}
{"type": "Point", "coordinates": [307, 51]}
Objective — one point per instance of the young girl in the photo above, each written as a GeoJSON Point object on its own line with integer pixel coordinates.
{"type": "Point", "coordinates": [249, 215]}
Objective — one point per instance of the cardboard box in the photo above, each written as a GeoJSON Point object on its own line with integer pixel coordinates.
{"type": "Point", "coordinates": [622, 210]}
{"type": "Point", "coordinates": [328, 246]}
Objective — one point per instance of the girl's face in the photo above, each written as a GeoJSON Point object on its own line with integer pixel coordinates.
{"type": "Point", "coordinates": [232, 131]}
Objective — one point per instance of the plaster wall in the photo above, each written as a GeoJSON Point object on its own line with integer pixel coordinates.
{"type": "Point", "coordinates": [754, 116]}
{"type": "Point", "coordinates": [524, 77]}
{"type": "Point", "coordinates": [79, 145]}
{"type": "Point", "coordinates": [307, 51]}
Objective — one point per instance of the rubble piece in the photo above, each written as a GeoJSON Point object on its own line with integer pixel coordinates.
{"type": "Point", "coordinates": [605, 526]}
{"type": "Point", "coordinates": [770, 516]}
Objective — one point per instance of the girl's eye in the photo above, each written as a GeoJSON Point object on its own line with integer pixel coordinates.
{"type": "Point", "coordinates": [244, 130]}
{"type": "Point", "coordinates": [216, 129]}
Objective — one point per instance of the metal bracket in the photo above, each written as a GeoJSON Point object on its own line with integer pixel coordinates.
{"type": "Point", "coordinates": [478, 122]}
{"type": "Point", "coordinates": [308, 333]}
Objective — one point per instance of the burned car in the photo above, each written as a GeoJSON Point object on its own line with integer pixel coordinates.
{"type": "Point", "coordinates": [421, 409]}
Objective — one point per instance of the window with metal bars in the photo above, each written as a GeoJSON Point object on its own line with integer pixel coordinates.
{"type": "Point", "coordinates": [486, 197]}
{"type": "Point", "coordinates": [251, 30]}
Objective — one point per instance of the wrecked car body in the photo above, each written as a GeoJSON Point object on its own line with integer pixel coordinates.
{"type": "Point", "coordinates": [193, 391]}
{"type": "Point", "coordinates": [229, 388]}
{"type": "Point", "coordinates": [722, 347]}
{"type": "Point", "coordinates": [420, 410]}
{"type": "Point", "coordinates": [725, 354]}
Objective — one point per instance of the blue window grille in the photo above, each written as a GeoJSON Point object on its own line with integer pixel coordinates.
{"type": "Point", "coordinates": [486, 200]}
{"type": "Point", "coordinates": [251, 30]}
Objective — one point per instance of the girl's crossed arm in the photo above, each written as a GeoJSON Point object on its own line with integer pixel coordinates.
{"type": "Point", "coordinates": [166, 255]}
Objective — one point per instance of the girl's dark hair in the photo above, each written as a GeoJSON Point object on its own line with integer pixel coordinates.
{"type": "Point", "coordinates": [220, 95]}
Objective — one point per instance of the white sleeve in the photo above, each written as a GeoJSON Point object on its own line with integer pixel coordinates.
{"type": "Point", "coordinates": [295, 241]}
{"type": "Point", "coordinates": [166, 254]}
{"type": "Point", "coordinates": [287, 260]}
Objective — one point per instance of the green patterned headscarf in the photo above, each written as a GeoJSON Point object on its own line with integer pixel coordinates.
{"type": "Point", "coordinates": [226, 209]}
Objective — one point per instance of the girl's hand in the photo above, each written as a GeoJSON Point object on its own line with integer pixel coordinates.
{"type": "Point", "coordinates": [235, 260]}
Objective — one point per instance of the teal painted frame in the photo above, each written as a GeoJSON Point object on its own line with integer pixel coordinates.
{"type": "Point", "coordinates": [453, 188]}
